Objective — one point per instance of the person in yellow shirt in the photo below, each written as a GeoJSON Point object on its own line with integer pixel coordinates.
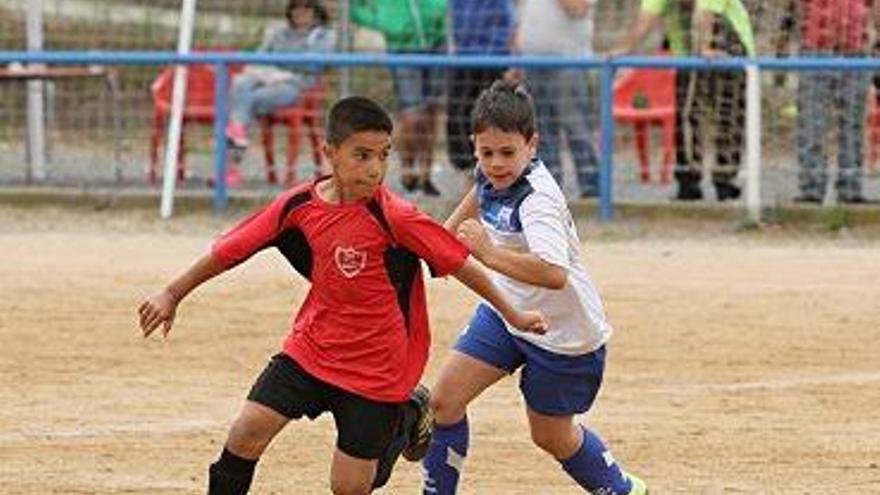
{"type": "Point", "coordinates": [708, 28]}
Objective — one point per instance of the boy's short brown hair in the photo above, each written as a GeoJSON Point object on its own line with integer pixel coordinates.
{"type": "Point", "coordinates": [504, 106]}
{"type": "Point", "coordinates": [356, 114]}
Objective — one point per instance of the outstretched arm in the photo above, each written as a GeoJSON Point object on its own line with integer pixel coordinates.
{"type": "Point", "coordinates": [249, 236]}
{"type": "Point", "coordinates": [467, 208]}
{"type": "Point", "coordinates": [476, 279]}
{"type": "Point", "coordinates": [646, 22]}
{"type": "Point", "coordinates": [160, 308]}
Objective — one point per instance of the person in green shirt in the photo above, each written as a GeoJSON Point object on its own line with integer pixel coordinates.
{"type": "Point", "coordinates": [412, 26]}
{"type": "Point", "coordinates": [708, 28]}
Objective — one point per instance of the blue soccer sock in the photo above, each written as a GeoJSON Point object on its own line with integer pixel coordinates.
{"type": "Point", "coordinates": [443, 463]}
{"type": "Point", "coordinates": [593, 468]}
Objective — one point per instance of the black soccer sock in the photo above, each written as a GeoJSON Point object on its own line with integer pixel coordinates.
{"type": "Point", "coordinates": [231, 474]}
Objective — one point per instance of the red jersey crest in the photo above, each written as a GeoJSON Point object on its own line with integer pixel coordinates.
{"type": "Point", "coordinates": [376, 350]}
{"type": "Point", "coordinates": [350, 261]}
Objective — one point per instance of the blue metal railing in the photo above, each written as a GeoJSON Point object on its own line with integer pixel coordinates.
{"type": "Point", "coordinates": [607, 67]}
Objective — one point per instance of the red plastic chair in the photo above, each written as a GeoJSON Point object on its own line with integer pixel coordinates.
{"type": "Point", "coordinates": [199, 108]}
{"type": "Point", "coordinates": [306, 113]}
{"type": "Point", "coordinates": [644, 97]}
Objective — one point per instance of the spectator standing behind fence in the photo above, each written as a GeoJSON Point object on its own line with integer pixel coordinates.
{"type": "Point", "coordinates": [719, 27]}
{"type": "Point", "coordinates": [562, 27]}
{"type": "Point", "coordinates": [261, 89]}
{"type": "Point", "coordinates": [479, 27]}
{"type": "Point", "coordinates": [831, 28]}
{"type": "Point", "coordinates": [412, 26]}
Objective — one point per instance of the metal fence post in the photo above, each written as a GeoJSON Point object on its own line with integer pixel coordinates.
{"type": "Point", "coordinates": [36, 115]}
{"type": "Point", "coordinates": [221, 85]}
{"type": "Point", "coordinates": [606, 182]}
{"type": "Point", "coordinates": [753, 142]}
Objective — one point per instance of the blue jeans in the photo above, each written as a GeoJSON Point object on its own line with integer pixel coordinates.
{"type": "Point", "coordinates": [251, 97]}
{"type": "Point", "coordinates": [818, 94]}
{"type": "Point", "coordinates": [416, 87]}
{"type": "Point", "coordinates": [562, 107]}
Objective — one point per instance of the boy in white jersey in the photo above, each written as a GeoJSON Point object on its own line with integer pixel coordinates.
{"type": "Point", "coordinates": [515, 220]}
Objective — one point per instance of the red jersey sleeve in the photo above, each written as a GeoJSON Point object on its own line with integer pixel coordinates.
{"type": "Point", "coordinates": [252, 234]}
{"type": "Point", "coordinates": [419, 233]}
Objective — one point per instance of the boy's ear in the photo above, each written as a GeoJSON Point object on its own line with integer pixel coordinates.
{"type": "Point", "coordinates": [476, 153]}
{"type": "Point", "coordinates": [532, 144]}
{"type": "Point", "coordinates": [328, 149]}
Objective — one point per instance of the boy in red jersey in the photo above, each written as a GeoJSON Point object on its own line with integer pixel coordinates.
{"type": "Point", "coordinates": [359, 343]}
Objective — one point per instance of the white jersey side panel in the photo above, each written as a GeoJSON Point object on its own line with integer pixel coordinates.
{"type": "Point", "coordinates": [532, 216]}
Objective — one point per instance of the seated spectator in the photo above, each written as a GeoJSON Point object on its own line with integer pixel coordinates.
{"type": "Point", "coordinates": [262, 89]}
{"type": "Point", "coordinates": [412, 27]}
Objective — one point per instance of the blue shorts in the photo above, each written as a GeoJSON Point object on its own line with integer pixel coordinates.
{"type": "Point", "coordinates": [552, 384]}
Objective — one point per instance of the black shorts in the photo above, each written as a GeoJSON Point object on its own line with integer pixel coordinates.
{"type": "Point", "coordinates": [364, 427]}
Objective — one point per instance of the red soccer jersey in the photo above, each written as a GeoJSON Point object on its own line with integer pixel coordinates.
{"type": "Point", "coordinates": [364, 324]}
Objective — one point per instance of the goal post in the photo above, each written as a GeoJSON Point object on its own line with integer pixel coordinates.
{"type": "Point", "coordinates": [175, 125]}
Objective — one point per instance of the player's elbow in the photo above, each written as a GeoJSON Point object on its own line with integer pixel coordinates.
{"type": "Point", "coordinates": [555, 279]}
{"type": "Point", "coordinates": [556, 284]}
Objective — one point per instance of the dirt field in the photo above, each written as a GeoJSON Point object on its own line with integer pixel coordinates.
{"type": "Point", "coordinates": [742, 363]}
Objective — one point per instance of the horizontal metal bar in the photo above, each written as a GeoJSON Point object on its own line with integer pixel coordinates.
{"type": "Point", "coordinates": [438, 60]}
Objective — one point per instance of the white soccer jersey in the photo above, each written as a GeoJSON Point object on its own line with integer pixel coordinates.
{"type": "Point", "coordinates": [532, 215]}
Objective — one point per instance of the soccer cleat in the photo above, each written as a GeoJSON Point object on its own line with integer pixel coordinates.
{"type": "Point", "coordinates": [412, 436]}
{"type": "Point", "coordinates": [422, 424]}
{"type": "Point", "coordinates": [638, 486]}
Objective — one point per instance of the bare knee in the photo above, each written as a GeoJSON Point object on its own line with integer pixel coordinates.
{"type": "Point", "coordinates": [350, 475]}
{"type": "Point", "coordinates": [446, 412]}
{"type": "Point", "coordinates": [561, 444]}
{"type": "Point", "coordinates": [247, 439]}
{"type": "Point", "coordinates": [252, 431]}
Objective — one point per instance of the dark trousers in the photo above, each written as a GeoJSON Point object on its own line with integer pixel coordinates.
{"type": "Point", "coordinates": [701, 94]}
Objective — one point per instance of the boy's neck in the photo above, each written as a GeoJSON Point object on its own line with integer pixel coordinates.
{"type": "Point", "coordinates": [330, 192]}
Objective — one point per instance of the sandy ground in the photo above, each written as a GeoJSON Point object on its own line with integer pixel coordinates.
{"type": "Point", "coordinates": [739, 365]}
